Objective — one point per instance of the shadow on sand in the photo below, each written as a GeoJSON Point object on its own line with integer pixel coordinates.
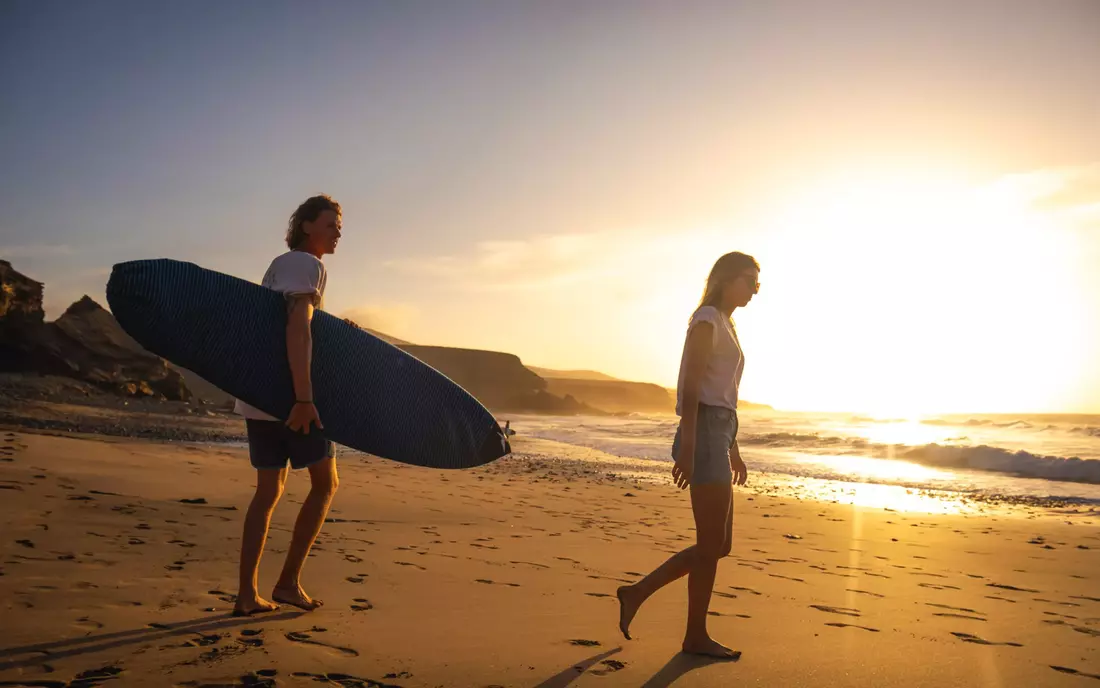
{"type": "Point", "coordinates": [571, 673]}
{"type": "Point", "coordinates": [681, 664]}
{"type": "Point", "coordinates": [72, 647]}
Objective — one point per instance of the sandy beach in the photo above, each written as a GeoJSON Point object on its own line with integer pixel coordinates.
{"type": "Point", "coordinates": [119, 568]}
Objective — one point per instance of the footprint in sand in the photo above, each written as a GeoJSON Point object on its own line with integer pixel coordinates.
{"type": "Point", "coordinates": [306, 638]}
{"type": "Point", "coordinates": [201, 640]}
{"type": "Point", "coordinates": [839, 624]}
{"type": "Point", "coordinates": [748, 590]}
{"type": "Point", "coordinates": [361, 605]}
{"type": "Point", "coordinates": [86, 624]}
{"type": "Point", "coordinates": [1080, 629]}
{"type": "Point", "coordinates": [405, 563]}
{"type": "Point", "coordinates": [345, 680]}
{"type": "Point", "coordinates": [1010, 587]}
{"type": "Point", "coordinates": [728, 596]}
{"type": "Point", "coordinates": [956, 609]}
{"type": "Point", "coordinates": [865, 592]}
{"type": "Point", "coordinates": [262, 678]}
{"type": "Point", "coordinates": [980, 641]}
{"type": "Point", "coordinates": [251, 637]}
{"type": "Point", "coordinates": [354, 579]}
{"type": "Point", "coordinates": [490, 582]}
{"type": "Point", "coordinates": [90, 677]}
{"type": "Point", "coordinates": [934, 586]}
{"type": "Point", "coordinates": [1074, 672]}
{"type": "Point", "coordinates": [585, 643]}
{"type": "Point", "coordinates": [776, 575]}
{"type": "Point", "coordinates": [846, 611]}
{"type": "Point", "coordinates": [597, 594]}
{"type": "Point", "coordinates": [610, 666]}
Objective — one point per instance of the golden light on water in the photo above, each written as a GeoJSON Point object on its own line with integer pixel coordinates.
{"type": "Point", "coordinates": [865, 467]}
{"type": "Point", "coordinates": [907, 432]}
{"type": "Point", "coordinates": [892, 497]}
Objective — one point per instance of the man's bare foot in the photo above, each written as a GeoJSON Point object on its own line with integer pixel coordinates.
{"type": "Point", "coordinates": [710, 648]}
{"type": "Point", "coordinates": [295, 597]}
{"type": "Point", "coordinates": [252, 604]}
{"type": "Point", "coordinates": [629, 602]}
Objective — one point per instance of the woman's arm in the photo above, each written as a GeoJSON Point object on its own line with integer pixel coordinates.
{"type": "Point", "coordinates": [697, 349]}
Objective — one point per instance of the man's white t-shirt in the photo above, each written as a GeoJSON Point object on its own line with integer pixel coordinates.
{"type": "Point", "coordinates": [295, 273]}
{"type": "Point", "coordinates": [722, 376]}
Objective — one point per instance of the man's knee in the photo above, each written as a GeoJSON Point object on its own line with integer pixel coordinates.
{"type": "Point", "coordinates": [324, 482]}
{"type": "Point", "coordinates": [269, 490]}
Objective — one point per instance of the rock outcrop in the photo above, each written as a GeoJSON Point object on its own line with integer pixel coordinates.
{"type": "Point", "coordinates": [85, 343]}
{"type": "Point", "coordinates": [616, 396]}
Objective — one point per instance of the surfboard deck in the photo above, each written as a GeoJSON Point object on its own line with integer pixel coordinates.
{"type": "Point", "coordinates": [370, 395]}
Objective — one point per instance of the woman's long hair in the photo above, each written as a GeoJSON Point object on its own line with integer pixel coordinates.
{"type": "Point", "coordinates": [727, 268]}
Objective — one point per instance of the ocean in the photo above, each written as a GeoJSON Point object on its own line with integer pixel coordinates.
{"type": "Point", "coordinates": [1041, 460]}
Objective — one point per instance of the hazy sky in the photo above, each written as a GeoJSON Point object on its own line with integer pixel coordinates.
{"type": "Point", "coordinates": [920, 181]}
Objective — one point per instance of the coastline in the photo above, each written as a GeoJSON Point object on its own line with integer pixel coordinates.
{"type": "Point", "coordinates": [505, 575]}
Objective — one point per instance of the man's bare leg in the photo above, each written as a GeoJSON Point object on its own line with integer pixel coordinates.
{"type": "Point", "coordinates": [323, 484]}
{"type": "Point", "coordinates": [269, 487]}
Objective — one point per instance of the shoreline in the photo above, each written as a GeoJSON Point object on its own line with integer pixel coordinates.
{"type": "Point", "coordinates": [121, 553]}
{"type": "Point", "coordinates": [225, 429]}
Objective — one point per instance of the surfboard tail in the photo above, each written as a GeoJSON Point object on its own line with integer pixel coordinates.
{"type": "Point", "coordinates": [495, 446]}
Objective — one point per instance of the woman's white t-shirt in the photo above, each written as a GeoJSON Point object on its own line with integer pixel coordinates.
{"type": "Point", "coordinates": [294, 273]}
{"type": "Point", "coordinates": [723, 372]}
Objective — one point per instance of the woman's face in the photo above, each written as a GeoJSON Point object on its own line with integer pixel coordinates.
{"type": "Point", "coordinates": [740, 290]}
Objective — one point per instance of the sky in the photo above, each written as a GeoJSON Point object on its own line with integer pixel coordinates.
{"type": "Point", "coordinates": [919, 181]}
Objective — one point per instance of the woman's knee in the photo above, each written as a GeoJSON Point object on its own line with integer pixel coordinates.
{"type": "Point", "coordinates": [710, 550]}
{"type": "Point", "coordinates": [727, 547]}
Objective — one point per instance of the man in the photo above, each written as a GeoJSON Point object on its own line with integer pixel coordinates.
{"type": "Point", "coordinates": [313, 232]}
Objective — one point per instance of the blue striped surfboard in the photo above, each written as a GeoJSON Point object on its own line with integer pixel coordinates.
{"type": "Point", "coordinates": [371, 396]}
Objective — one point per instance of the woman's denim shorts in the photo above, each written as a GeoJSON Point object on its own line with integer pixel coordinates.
{"type": "Point", "coordinates": [715, 431]}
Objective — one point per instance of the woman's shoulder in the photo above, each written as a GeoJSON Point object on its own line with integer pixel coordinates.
{"type": "Point", "coordinates": [706, 314]}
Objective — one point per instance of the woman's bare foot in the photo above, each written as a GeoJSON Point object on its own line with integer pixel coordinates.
{"type": "Point", "coordinates": [708, 647]}
{"type": "Point", "coordinates": [252, 604]}
{"type": "Point", "coordinates": [629, 602]}
{"type": "Point", "coordinates": [295, 597]}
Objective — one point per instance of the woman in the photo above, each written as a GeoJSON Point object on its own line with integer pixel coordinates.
{"type": "Point", "coordinates": [705, 449]}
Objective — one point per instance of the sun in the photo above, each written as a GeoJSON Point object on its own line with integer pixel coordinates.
{"type": "Point", "coordinates": [909, 294]}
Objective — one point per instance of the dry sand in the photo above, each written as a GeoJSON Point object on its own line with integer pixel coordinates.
{"type": "Point", "coordinates": [505, 576]}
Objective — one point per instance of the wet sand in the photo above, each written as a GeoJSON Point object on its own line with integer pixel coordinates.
{"type": "Point", "coordinates": [118, 567]}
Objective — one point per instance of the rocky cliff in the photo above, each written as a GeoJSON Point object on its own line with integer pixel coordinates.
{"type": "Point", "coordinates": [85, 343]}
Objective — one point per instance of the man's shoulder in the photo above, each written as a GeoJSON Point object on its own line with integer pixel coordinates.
{"type": "Point", "coordinates": [296, 264]}
{"type": "Point", "coordinates": [299, 260]}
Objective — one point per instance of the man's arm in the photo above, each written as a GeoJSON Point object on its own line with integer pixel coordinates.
{"type": "Point", "coordinates": [299, 351]}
